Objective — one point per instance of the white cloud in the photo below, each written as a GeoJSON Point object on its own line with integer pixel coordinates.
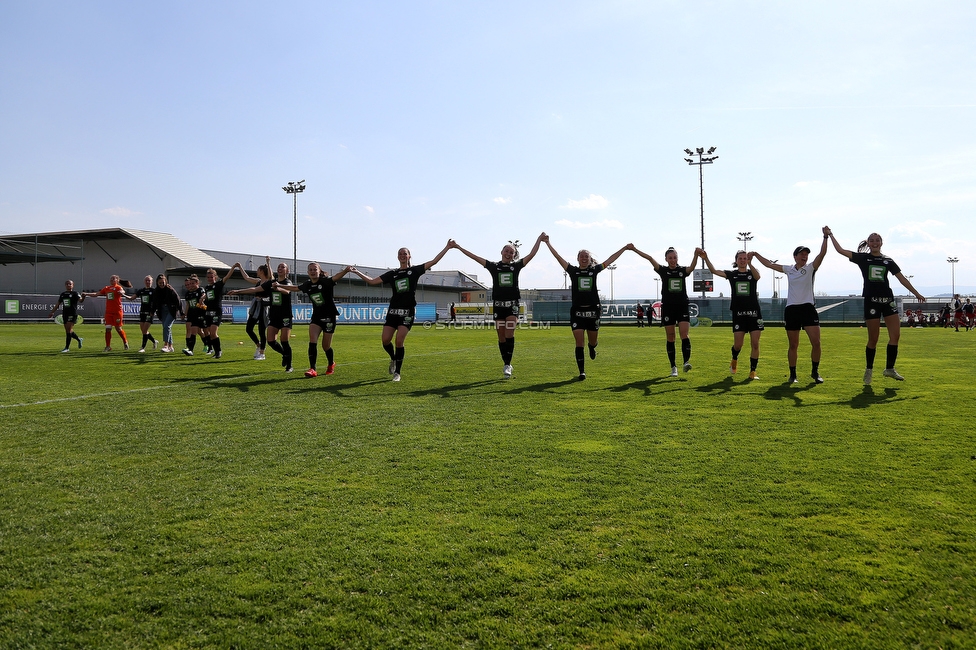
{"type": "Point", "coordinates": [119, 212]}
{"type": "Point", "coordinates": [806, 183]}
{"type": "Point", "coordinates": [920, 230]}
{"type": "Point", "coordinates": [592, 202]}
{"type": "Point", "coordinates": [370, 209]}
{"type": "Point", "coordinates": [606, 223]}
{"type": "Point", "coordinates": [501, 200]}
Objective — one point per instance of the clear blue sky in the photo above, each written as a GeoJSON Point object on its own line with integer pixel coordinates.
{"type": "Point", "coordinates": [412, 122]}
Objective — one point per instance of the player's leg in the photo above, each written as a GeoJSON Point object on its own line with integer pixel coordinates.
{"type": "Point", "coordinates": [578, 335]}
{"type": "Point", "coordinates": [792, 354]}
{"type": "Point", "coordinates": [672, 355]}
{"type": "Point", "coordinates": [313, 347]}
{"type": "Point", "coordinates": [813, 333]}
{"type": "Point", "coordinates": [401, 337]}
{"type": "Point", "coordinates": [683, 328]}
{"type": "Point", "coordinates": [737, 340]}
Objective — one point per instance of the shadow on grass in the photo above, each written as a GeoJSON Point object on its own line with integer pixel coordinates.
{"type": "Point", "coordinates": [336, 390]}
{"type": "Point", "coordinates": [447, 391]}
{"type": "Point", "coordinates": [868, 397]}
{"type": "Point", "coordinates": [141, 359]}
{"type": "Point", "coordinates": [252, 380]}
{"type": "Point", "coordinates": [787, 390]}
{"type": "Point", "coordinates": [647, 384]}
{"type": "Point", "coordinates": [539, 388]}
{"type": "Point", "coordinates": [717, 388]}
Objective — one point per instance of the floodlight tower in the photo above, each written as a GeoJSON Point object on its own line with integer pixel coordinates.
{"type": "Point", "coordinates": [611, 268]}
{"type": "Point", "coordinates": [704, 158]}
{"type": "Point", "coordinates": [745, 238]}
{"type": "Point", "coordinates": [952, 265]}
{"type": "Point", "coordinates": [295, 188]}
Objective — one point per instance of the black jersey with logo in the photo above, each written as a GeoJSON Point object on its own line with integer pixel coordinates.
{"type": "Point", "coordinates": [280, 301]}
{"type": "Point", "coordinates": [673, 291]}
{"type": "Point", "coordinates": [215, 294]}
{"type": "Point", "coordinates": [193, 298]}
{"type": "Point", "coordinates": [68, 301]}
{"type": "Point", "coordinates": [504, 280]}
{"type": "Point", "coordinates": [404, 283]}
{"type": "Point", "coordinates": [320, 293]}
{"type": "Point", "coordinates": [145, 296]}
{"type": "Point", "coordinates": [875, 270]}
{"type": "Point", "coordinates": [745, 294]}
{"type": "Point", "coordinates": [585, 294]}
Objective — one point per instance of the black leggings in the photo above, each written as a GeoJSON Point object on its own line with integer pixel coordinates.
{"type": "Point", "coordinates": [258, 315]}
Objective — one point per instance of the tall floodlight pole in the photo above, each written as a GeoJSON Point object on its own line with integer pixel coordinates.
{"type": "Point", "coordinates": [611, 268]}
{"type": "Point", "coordinates": [745, 238]}
{"type": "Point", "coordinates": [952, 265]}
{"type": "Point", "coordinates": [294, 188]}
{"type": "Point", "coordinates": [704, 158]}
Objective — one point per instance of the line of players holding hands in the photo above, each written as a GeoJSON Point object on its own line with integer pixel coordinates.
{"type": "Point", "coordinates": [271, 309]}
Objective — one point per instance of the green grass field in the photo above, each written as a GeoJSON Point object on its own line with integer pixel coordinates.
{"type": "Point", "coordinates": [154, 500]}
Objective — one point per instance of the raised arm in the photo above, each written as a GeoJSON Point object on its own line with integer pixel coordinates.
{"type": "Point", "coordinates": [613, 258]}
{"type": "Point", "coordinates": [237, 265]}
{"type": "Point", "coordinates": [837, 247]}
{"type": "Point", "coordinates": [373, 282]}
{"type": "Point", "coordinates": [694, 261]}
{"type": "Point", "coordinates": [244, 292]}
{"type": "Point", "coordinates": [647, 257]}
{"type": "Point", "coordinates": [283, 288]}
{"type": "Point", "coordinates": [479, 260]}
{"type": "Point", "coordinates": [535, 249]}
{"type": "Point", "coordinates": [338, 276]}
{"type": "Point", "coordinates": [752, 266]}
{"type": "Point", "coordinates": [769, 265]}
{"type": "Point", "coordinates": [711, 268]}
{"type": "Point", "coordinates": [563, 263]}
{"type": "Point", "coordinates": [818, 260]}
{"type": "Point", "coordinates": [248, 278]}
{"type": "Point", "coordinates": [437, 258]}
{"type": "Point", "coordinates": [908, 285]}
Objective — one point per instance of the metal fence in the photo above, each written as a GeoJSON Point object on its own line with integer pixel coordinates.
{"type": "Point", "coordinates": [833, 310]}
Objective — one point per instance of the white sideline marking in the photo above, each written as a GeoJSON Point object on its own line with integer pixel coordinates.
{"type": "Point", "coordinates": [198, 381]}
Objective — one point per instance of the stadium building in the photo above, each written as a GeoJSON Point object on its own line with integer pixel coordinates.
{"type": "Point", "coordinates": [35, 266]}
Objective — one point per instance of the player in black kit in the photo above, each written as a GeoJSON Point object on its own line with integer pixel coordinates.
{"type": "Point", "coordinates": [257, 313]}
{"type": "Point", "coordinates": [145, 298]}
{"type": "Point", "coordinates": [675, 308]}
{"type": "Point", "coordinates": [403, 303]}
{"type": "Point", "coordinates": [505, 294]}
{"type": "Point", "coordinates": [196, 308]}
{"type": "Point", "coordinates": [320, 288]}
{"type": "Point", "coordinates": [68, 301]}
{"type": "Point", "coordinates": [585, 310]}
{"type": "Point", "coordinates": [212, 317]}
{"type": "Point", "coordinates": [879, 300]}
{"type": "Point", "coordinates": [746, 316]}
{"type": "Point", "coordinates": [279, 311]}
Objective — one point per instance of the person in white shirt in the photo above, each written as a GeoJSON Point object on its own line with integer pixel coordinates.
{"type": "Point", "coordinates": [801, 309]}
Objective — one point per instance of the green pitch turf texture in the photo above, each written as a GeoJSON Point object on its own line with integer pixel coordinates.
{"type": "Point", "coordinates": [155, 500]}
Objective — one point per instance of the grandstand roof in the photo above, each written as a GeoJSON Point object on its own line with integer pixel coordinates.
{"type": "Point", "coordinates": [66, 246]}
